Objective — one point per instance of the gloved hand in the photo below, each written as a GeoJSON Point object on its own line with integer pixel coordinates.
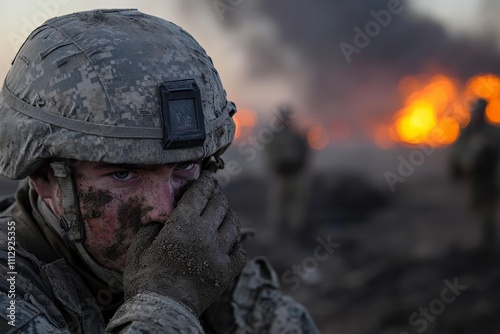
{"type": "Point", "coordinates": [192, 257]}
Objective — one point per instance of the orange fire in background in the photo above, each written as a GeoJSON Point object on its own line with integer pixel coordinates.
{"type": "Point", "coordinates": [318, 137]}
{"type": "Point", "coordinates": [436, 110]}
{"type": "Point", "coordinates": [487, 87]}
{"type": "Point", "coordinates": [245, 120]}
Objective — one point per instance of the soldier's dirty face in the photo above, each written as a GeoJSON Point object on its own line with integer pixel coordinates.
{"type": "Point", "coordinates": [116, 200]}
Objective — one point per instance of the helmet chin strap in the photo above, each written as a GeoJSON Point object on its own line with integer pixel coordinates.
{"type": "Point", "coordinates": [212, 163]}
{"type": "Point", "coordinates": [72, 224]}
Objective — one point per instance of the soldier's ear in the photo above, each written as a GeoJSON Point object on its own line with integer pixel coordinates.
{"type": "Point", "coordinates": [44, 182]}
{"type": "Point", "coordinates": [47, 188]}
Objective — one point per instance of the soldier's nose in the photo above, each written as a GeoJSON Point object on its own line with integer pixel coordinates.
{"type": "Point", "coordinates": [162, 201]}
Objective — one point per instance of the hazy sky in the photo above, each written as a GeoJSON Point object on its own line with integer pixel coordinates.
{"type": "Point", "coordinates": [229, 49]}
{"type": "Point", "coordinates": [458, 16]}
{"type": "Point", "coordinates": [475, 18]}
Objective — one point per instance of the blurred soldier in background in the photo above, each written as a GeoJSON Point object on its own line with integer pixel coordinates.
{"type": "Point", "coordinates": [288, 156]}
{"type": "Point", "coordinates": [475, 160]}
{"type": "Point", "coordinates": [116, 120]}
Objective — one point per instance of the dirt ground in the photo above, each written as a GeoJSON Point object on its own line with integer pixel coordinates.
{"type": "Point", "coordinates": [407, 260]}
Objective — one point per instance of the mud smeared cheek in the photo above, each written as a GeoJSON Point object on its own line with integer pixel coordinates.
{"type": "Point", "coordinates": [131, 216]}
{"type": "Point", "coordinates": [93, 202]}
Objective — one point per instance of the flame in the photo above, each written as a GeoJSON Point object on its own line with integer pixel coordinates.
{"type": "Point", "coordinates": [487, 87]}
{"type": "Point", "coordinates": [318, 137]}
{"type": "Point", "coordinates": [436, 109]}
{"type": "Point", "coordinates": [245, 121]}
{"type": "Point", "coordinates": [493, 111]}
{"type": "Point", "coordinates": [425, 110]}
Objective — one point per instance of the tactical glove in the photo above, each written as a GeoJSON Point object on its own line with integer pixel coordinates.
{"type": "Point", "coordinates": [192, 257]}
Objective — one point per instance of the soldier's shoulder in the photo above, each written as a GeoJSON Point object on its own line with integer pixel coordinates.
{"type": "Point", "coordinates": [260, 306]}
{"type": "Point", "coordinates": [20, 316]}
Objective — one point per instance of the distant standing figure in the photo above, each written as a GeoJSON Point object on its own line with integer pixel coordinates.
{"type": "Point", "coordinates": [475, 160]}
{"type": "Point", "coordinates": [288, 156]}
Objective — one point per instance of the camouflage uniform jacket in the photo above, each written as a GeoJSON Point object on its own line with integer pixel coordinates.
{"type": "Point", "coordinates": [44, 288]}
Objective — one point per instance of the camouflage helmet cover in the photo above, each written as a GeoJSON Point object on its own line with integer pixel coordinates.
{"type": "Point", "coordinates": [85, 86]}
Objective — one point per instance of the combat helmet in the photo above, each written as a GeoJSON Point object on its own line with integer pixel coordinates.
{"type": "Point", "coordinates": [114, 86]}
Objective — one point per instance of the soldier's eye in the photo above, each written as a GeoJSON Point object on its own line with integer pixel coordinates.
{"type": "Point", "coordinates": [184, 166]}
{"type": "Point", "coordinates": [123, 175]}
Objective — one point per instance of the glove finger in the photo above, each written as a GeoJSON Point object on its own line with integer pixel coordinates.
{"type": "Point", "coordinates": [238, 257]}
{"type": "Point", "coordinates": [229, 231]}
{"type": "Point", "coordinates": [238, 254]}
{"type": "Point", "coordinates": [197, 196]}
{"type": "Point", "coordinates": [216, 211]}
{"type": "Point", "coordinates": [143, 240]}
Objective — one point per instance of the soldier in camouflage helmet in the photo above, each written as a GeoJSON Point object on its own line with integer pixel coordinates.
{"type": "Point", "coordinates": [118, 120]}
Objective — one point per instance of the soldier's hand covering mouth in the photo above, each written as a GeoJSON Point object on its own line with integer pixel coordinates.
{"type": "Point", "coordinates": [194, 255]}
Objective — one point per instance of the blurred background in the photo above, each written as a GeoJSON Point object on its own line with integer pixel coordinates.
{"type": "Point", "coordinates": [346, 160]}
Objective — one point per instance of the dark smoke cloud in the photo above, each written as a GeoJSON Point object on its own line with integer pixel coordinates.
{"type": "Point", "coordinates": [365, 90]}
{"type": "Point", "coordinates": [318, 27]}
